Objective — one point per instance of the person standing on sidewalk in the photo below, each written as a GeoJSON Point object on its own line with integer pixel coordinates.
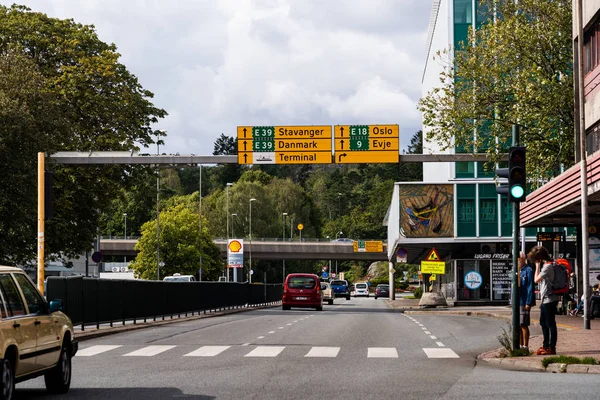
{"type": "Point", "coordinates": [526, 299]}
{"type": "Point", "coordinates": [544, 275]}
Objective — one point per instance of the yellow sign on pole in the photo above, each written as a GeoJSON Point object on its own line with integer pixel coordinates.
{"type": "Point", "coordinates": [300, 227]}
{"type": "Point", "coordinates": [284, 144]}
{"type": "Point", "coordinates": [357, 144]}
{"type": "Point", "coordinates": [433, 267]}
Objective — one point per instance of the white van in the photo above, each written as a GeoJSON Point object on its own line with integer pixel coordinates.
{"type": "Point", "coordinates": [361, 289]}
{"type": "Point", "coordinates": [179, 278]}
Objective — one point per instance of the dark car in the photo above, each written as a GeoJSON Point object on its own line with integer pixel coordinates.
{"type": "Point", "coordinates": [302, 290]}
{"type": "Point", "coordinates": [340, 288]}
{"type": "Point", "coordinates": [382, 290]}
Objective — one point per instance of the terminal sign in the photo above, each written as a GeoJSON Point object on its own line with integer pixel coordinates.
{"type": "Point", "coordinates": [357, 144]}
{"type": "Point", "coordinates": [284, 144]}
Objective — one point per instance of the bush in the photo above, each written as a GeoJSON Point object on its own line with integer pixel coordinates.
{"type": "Point", "coordinates": [568, 360]}
{"type": "Point", "coordinates": [418, 293]}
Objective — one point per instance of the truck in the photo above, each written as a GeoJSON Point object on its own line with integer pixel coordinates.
{"type": "Point", "coordinates": [340, 288]}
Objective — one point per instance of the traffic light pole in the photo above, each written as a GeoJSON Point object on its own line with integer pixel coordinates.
{"type": "Point", "coordinates": [516, 326]}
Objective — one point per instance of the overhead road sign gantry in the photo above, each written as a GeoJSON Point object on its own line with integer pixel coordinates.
{"type": "Point", "coordinates": [358, 144]}
{"type": "Point", "coordinates": [284, 144]}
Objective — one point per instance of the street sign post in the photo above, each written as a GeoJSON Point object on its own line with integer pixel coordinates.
{"type": "Point", "coordinates": [284, 144]}
{"type": "Point", "coordinates": [433, 265]}
{"type": "Point", "coordinates": [368, 246]}
{"type": "Point", "coordinates": [235, 253]}
{"type": "Point", "coordinates": [358, 144]}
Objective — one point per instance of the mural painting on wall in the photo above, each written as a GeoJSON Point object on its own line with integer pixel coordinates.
{"type": "Point", "coordinates": [427, 210]}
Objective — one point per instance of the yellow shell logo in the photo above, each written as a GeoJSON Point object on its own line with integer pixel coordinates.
{"type": "Point", "coordinates": [235, 246]}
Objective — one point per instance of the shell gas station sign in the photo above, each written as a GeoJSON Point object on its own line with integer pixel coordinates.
{"type": "Point", "coordinates": [235, 253]}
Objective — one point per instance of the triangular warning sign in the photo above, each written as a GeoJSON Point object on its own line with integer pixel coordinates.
{"type": "Point", "coordinates": [433, 255]}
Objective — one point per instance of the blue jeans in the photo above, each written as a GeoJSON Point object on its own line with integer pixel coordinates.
{"type": "Point", "coordinates": [548, 323]}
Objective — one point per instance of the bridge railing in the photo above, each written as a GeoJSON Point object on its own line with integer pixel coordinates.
{"type": "Point", "coordinates": [94, 301]}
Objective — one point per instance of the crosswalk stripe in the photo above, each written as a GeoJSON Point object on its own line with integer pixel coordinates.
{"type": "Point", "coordinates": [382, 352]}
{"type": "Point", "coordinates": [149, 351]}
{"type": "Point", "coordinates": [265, 351]}
{"type": "Point", "coordinates": [440, 353]}
{"type": "Point", "coordinates": [93, 350]}
{"type": "Point", "coordinates": [322, 351]}
{"type": "Point", "coordinates": [207, 351]}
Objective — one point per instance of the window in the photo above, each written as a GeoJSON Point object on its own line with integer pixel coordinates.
{"type": "Point", "coordinates": [591, 48]}
{"type": "Point", "coordinates": [14, 302]}
{"type": "Point", "coordinates": [301, 283]}
{"type": "Point", "coordinates": [35, 303]}
{"type": "Point", "coordinates": [463, 11]}
{"type": "Point", "coordinates": [2, 308]}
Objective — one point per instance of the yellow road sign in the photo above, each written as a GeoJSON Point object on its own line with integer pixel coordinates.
{"type": "Point", "coordinates": [374, 247]}
{"type": "Point", "coordinates": [303, 132]}
{"type": "Point", "coordinates": [303, 144]}
{"type": "Point", "coordinates": [300, 227]}
{"type": "Point", "coordinates": [305, 157]}
{"type": "Point", "coordinates": [373, 131]}
{"type": "Point", "coordinates": [359, 157]}
{"type": "Point", "coordinates": [432, 277]}
{"type": "Point", "coordinates": [433, 255]}
{"type": "Point", "coordinates": [433, 267]}
{"type": "Point", "coordinates": [375, 144]}
{"type": "Point", "coordinates": [244, 132]}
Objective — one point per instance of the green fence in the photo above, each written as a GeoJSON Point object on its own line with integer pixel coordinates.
{"type": "Point", "coordinates": [93, 301]}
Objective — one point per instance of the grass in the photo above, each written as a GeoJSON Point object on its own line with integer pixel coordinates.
{"type": "Point", "coordinates": [568, 360]}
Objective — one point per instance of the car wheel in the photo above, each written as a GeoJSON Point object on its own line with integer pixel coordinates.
{"type": "Point", "coordinates": [285, 307]}
{"type": "Point", "coordinates": [348, 297]}
{"type": "Point", "coordinates": [320, 308]}
{"type": "Point", "coordinates": [375, 297]}
{"type": "Point", "coordinates": [8, 380]}
{"type": "Point", "coordinates": [58, 380]}
{"type": "Point", "coordinates": [330, 302]}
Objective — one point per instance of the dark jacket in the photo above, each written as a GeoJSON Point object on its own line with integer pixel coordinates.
{"type": "Point", "coordinates": [526, 287]}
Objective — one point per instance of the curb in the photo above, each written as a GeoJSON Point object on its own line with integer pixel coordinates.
{"type": "Point", "coordinates": [81, 336]}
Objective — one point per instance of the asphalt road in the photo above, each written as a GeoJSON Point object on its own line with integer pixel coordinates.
{"type": "Point", "coordinates": [357, 349]}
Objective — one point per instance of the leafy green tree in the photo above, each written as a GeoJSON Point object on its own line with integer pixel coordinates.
{"type": "Point", "coordinates": [61, 89]}
{"type": "Point", "coordinates": [516, 70]}
{"type": "Point", "coordinates": [181, 244]}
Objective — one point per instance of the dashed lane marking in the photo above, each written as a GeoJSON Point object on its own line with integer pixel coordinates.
{"type": "Point", "coordinates": [93, 350]}
{"type": "Point", "coordinates": [323, 352]}
{"type": "Point", "coordinates": [440, 353]}
{"type": "Point", "coordinates": [440, 344]}
{"type": "Point", "coordinates": [266, 351]}
{"type": "Point", "coordinates": [382, 352]}
{"type": "Point", "coordinates": [207, 351]}
{"type": "Point", "coordinates": [149, 351]}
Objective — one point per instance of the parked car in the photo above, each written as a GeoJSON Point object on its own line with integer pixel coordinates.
{"type": "Point", "coordinates": [361, 289]}
{"type": "Point", "coordinates": [36, 338]}
{"type": "Point", "coordinates": [343, 240]}
{"type": "Point", "coordinates": [382, 290]}
{"type": "Point", "coordinates": [327, 292]}
{"type": "Point", "coordinates": [302, 290]}
{"type": "Point", "coordinates": [340, 288]}
{"type": "Point", "coordinates": [179, 278]}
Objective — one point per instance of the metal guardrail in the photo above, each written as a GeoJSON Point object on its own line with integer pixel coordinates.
{"type": "Point", "coordinates": [94, 301]}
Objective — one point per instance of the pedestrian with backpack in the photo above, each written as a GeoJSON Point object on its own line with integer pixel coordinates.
{"type": "Point", "coordinates": [526, 299]}
{"type": "Point", "coordinates": [544, 277]}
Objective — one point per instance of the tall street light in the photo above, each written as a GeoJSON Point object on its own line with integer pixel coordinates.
{"type": "Point", "coordinates": [283, 225]}
{"type": "Point", "coordinates": [250, 236]}
{"type": "Point", "coordinates": [339, 211]}
{"type": "Point", "coordinates": [125, 218]}
{"type": "Point", "coordinates": [233, 230]}
{"type": "Point", "coordinates": [227, 216]}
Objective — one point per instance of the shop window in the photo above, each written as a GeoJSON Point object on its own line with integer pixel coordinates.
{"type": "Point", "coordinates": [477, 284]}
{"type": "Point", "coordinates": [506, 214]}
{"type": "Point", "coordinates": [501, 274]}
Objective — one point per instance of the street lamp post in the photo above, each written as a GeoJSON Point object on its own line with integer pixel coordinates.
{"type": "Point", "coordinates": [125, 233]}
{"type": "Point", "coordinates": [233, 230]}
{"type": "Point", "coordinates": [283, 225]}
{"type": "Point", "coordinates": [250, 236]}
{"type": "Point", "coordinates": [227, 216]}
{"type": "Point", "coordinates": [339, 211]}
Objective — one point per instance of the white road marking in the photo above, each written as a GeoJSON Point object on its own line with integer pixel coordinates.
{"type": "Point", "coordinates": [427, 332]}
{"type": "Point", "coordinates": [271, 331]}
{"type": "Point", "coordinates": [433, 337]}
{"type": "Point", "coordinates": [295, 321]}
{"type": "Point", "coordinates": [440, 344]}
{"type": "Point", "coordinates": [424, 328]}
{"type": "Point", "coordinates": [419, 324]}
{"type": "Point", "coordinates": [93, 350]}
{"type": "Point", "coordinates": [207, 351]}
{"type": "Point", "coordinates": [265, 351]}
{"type": "Point", "coordinates": [382, 352]}
{"type": "Point", "coordinates": [440, 353]}
{"type": "Point", "coordinates": [245, 344]}
{"type": "Point", "coordinates": [281, 327]}
{"type": "Point", "coordinates": [289, 324]}
{"type": "Point", "coordinates": [260, 337]}
{"type": "Point", "coordinates": [323, 352]}
{"type": "Point", "coordinates": [149, 351]}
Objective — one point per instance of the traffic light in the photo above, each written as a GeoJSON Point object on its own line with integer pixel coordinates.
{"type": "Point", "coordinates": [516, 179]}
{"type": "Point", "coordinates": [515, 174]}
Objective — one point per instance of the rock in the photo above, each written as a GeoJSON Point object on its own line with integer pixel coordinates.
{"type": "Point", "coordinates": [433, 299]}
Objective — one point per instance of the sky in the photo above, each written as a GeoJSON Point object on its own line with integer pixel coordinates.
{"type": "Point", "coordinates": [214, 65]}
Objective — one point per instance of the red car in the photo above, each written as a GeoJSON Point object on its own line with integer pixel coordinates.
{"type": "Point", "coordinates": [302, 290]}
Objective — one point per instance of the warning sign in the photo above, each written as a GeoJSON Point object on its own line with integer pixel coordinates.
{"type": "Point", "coordinates": [433, 255]}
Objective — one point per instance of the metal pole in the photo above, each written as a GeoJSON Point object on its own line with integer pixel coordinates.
{"type": "Point", "coordinates": [125, 232]}
{"type": "Point", "coordinates": [516, 327]}
{"type": "Point", "coordinates": [250, 233]}
{"type": "Point", "coordinates": [283, 225]}
{"type": "Point", "coordinates": [227, 216]}
{"type": "Point", "coordinates": [583, 170]}
{"type": "Point", "coordinates": [41, 216]}
{"type": "Point", "coordinates": [200, 214]}
{"type": "Point", "coordinates": [157, 223]}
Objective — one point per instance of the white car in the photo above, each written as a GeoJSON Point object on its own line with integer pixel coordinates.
{"type": "Point", "coordinates": [179, 278]}
{"type": "Point", "coordinates": [361, 289]}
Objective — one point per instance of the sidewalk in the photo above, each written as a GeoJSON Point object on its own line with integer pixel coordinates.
{"type": "Point", "coordinates": [573, 340]}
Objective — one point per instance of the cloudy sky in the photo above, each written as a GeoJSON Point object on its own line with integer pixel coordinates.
{"type": "Point", "coordinates": [217, 64]}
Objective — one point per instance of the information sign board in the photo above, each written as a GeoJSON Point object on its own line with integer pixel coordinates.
{"type": "Point", "coordinates": [356, 144]}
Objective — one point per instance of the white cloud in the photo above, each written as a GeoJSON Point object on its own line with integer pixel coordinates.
{"type": "Point", "coordinates": [214, 65]}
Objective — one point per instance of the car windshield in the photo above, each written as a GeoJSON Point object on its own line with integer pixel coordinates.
{"type": "Point", "coordinates": [338, 283]}
{"type": "Point", "coordinates": [383, 286]}
{"type": "Point", "coordinates": [301, 282]}
{"type": "Point", "coordinates": [361, 285]}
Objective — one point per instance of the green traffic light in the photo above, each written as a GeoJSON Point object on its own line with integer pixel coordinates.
{"type": "Point", "coordinates": [517, 191]}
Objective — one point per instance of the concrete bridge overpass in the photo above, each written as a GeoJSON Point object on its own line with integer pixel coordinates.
{"type": "Point", "coordinates": [267, 249]}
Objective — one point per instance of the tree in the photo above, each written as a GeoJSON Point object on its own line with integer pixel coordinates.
{"type": "Point", "coordinates": [66, 91]}
{"type": "Point", "coordinates": [180, 244]}
{"type": "Point", "coordinates": [225, 145]}
{"type": "Point", "coordinates": [517, 70]}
